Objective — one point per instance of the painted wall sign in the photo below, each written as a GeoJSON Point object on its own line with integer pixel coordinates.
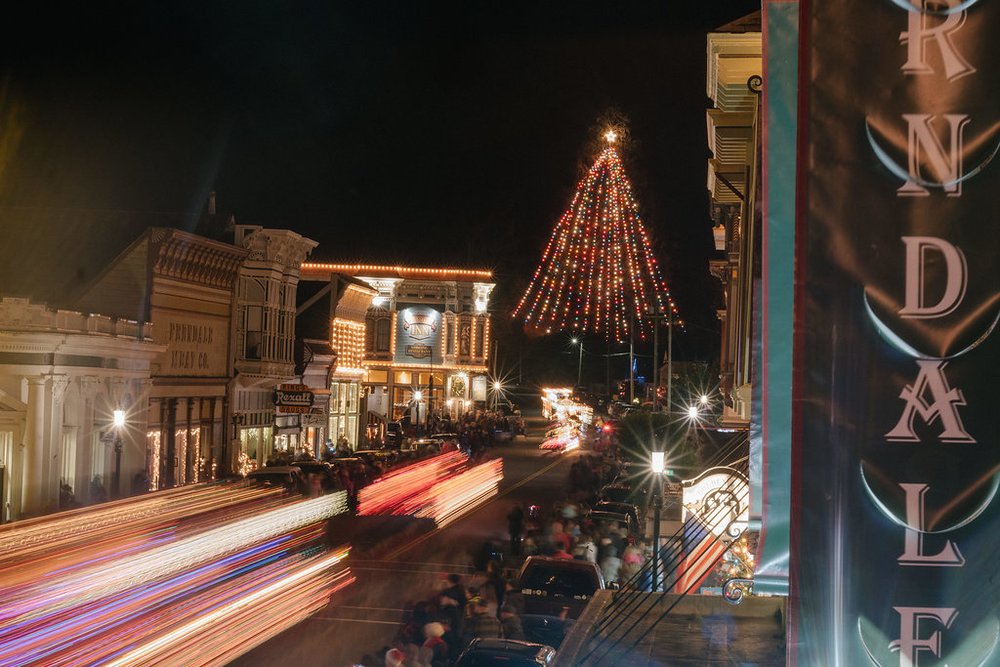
{"type": "Point", "coordinates": [196, 344]}
{"type": "Point", "coordinates": [895, 452]}
{"type": "Point", "coordinates": [418, 335]}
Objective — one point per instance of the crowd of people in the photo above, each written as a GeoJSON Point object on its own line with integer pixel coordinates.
{"type": "Point", "coordinates": [488, 603]}
{"type": "Point", "coordinates": [462, 608]}
{"type": "Point", "coordinates": [478, 429]}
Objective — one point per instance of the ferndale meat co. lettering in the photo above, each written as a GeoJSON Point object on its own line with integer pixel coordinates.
{"type": "Point", "coordinates": [188, 360]}
{"type": "Point", "coordinates": [190, 333]}
{"type": "Point", "coordinates": [934, 168]}
{"type": "Point", "coordinates": [190, 346]}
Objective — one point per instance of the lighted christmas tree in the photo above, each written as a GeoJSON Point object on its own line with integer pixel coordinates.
{"type": "Point", "coordinates": [598, 272]}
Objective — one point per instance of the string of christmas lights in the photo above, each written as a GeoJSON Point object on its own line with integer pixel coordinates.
{"type": "Point", "coordinates": [598, 272]}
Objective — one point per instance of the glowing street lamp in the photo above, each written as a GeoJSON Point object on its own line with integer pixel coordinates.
{"type": "Point", "coordinates": [497, 388]}
{"type": "Point", "coordinates": [657, 464]}
{"type": "Point", "coordinates": [692, 412]}
{"type": "Point", "coordinates": [119, 423]}
{"type": "Point", "coordinates": [704, 399]}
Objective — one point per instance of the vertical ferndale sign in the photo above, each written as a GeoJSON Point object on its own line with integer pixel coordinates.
{"type": "Point", "coordinates": [896, 454]}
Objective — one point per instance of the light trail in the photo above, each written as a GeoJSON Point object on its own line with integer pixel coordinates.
{"type": "Point", "coordinates": [192, 576]}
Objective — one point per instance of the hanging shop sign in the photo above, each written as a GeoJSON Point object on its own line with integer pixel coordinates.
{"type": "Point", "coordinates": [479, 388]}
{"type": "Point", "coordinates": [720, 498]}
{"type": "Point", "coordinates": [418, 335]}
{"type": "Point", "coordinates": [895, 515]}
{"type": "Point", "coordinates": [293, 399]}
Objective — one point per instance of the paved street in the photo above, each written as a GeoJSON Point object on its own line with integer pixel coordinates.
{"type": "Point", "coordinates": [367, 615]}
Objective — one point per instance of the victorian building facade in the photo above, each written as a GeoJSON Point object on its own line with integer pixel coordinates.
{"type": "Point", "coordinates": [63, 374]}
{"type": "Point", "coordinates": [733, 122]}
{"type": "Point", "coordinates": [426, 341]}
{"type": "Point", "coordinates": [264, 342]}
{"type": "Point", "coordinates": [184, 285]}
{"type": "Point", "coordinates": [331, 323]}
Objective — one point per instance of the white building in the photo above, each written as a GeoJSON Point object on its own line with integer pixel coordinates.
{"type": "Point", "coordinates": [62, 376]}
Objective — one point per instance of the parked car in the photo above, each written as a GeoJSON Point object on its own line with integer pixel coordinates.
{"type": "Point", "coordinates": [551, 585]}
{"type": "Point", "coordinates": [327, 473]}
{"type": "Point", "coordinates": [383, 457]}
{"type": "Point", "coordinates": [548, 630]}
{"type": "Point", "coordinates": [394, 434]}
{"type": "Point", "coordinates": [422, 447]}
{"type": "Point", "coordinates": [509, 652]}
{"type": "Point", "coordinates": [449, 441]}
{"type": "Point", "coordinates": [358, 469]}
{"type": "Point", "coordinates": [620, 508]}
{"type": "Point", "coordinates": [289, 477]}
{"type": "Point", "coordinates": [619, 492]}
{"type": "Point", "coordinates": [621, 519]}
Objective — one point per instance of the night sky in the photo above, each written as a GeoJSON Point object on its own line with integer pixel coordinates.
{"type": "Point", "coordinates": [412, 132]}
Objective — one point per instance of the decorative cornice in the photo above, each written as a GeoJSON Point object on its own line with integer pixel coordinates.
{"type": "Point", "coordinates": [182, 256]}
{"type": "Point", "coordinates": [278, 246]}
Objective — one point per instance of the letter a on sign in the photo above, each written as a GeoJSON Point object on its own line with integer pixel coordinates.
{"type": "Point", "coordinates": [944, 405]}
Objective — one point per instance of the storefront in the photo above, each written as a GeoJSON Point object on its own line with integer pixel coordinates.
{"type": "Point", "coordinates": [187, 295]}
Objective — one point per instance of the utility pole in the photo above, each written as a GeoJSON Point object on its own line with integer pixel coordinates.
{"type": "Point", "coordinates": [656, 364]}
{"type": "Point", "coordinates": [670, 354]}
{"type": "Point", "coordinates": [656, 316]}
{"type": "Point", "coordinates": [631, 361]}
{"type": "Point", "coordinates": [579, 365]}
{"type": "Point", "coordinates": [607, 370]}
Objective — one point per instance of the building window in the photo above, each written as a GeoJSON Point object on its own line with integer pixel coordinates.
{"type": "Point", "coordinates": [382, 331]}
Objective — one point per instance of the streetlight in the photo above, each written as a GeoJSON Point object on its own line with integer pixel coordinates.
{"type": "Point", "coordinates": [692, 412]}
{"type": "Point", "coordinates": [657, 465]}
{"type": "Point", "coordinates": [497, 387]}
{"type": "Point", "coordinates": [119, 424]}
{"type": "Point", "coordinates": [579, 366]}
{"type": "Point", "coordinates": [704, 399]}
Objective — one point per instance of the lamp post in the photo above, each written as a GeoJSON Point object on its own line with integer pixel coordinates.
{"type": "Point", "coordinates": [657, 464]}
{"type": "Point", "coordinates": [119, 424]}
{"type": "Point", "coordinates": [579, 365]}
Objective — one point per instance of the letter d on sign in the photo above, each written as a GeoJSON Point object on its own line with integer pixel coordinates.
{"type": "Point", "coordinates": [956, 277]}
